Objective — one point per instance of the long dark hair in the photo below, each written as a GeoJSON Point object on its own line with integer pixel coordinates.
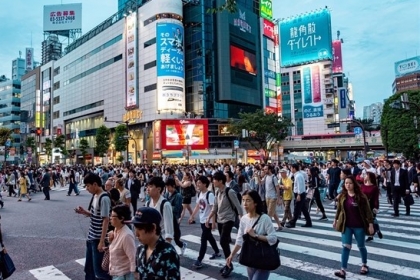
{"type": "Point", "coordinates": [372, 178]}
{"type": "Point", "coordinates": [257, 200]}
{"type": "Point", "coordinates": [357, 190]}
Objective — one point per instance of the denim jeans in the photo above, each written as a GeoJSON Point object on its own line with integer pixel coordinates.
{"type": "Point", "coordinates": [129, 276]}
{"type": "Point", "coordinates": [93, 264]}
{"type": "Point", "coordinates": [346, 239]}
{"type": "Point", "coordinates": [257, 274]}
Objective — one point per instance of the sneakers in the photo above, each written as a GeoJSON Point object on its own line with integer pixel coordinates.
{"type": "Point", "coordinates": [323, 218]}
{"type": "Point", "coordinates": [215, 256]}
{"type": "Point", "coordinates": [198, 264]}
{"type": "Point", "coordinates": [184, 246]}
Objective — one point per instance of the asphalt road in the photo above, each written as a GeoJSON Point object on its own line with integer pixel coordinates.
{"type": "Point", "coordinates": [39, 233]}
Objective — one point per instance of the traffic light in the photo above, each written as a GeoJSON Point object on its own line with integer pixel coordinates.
{"type": "Point", "coordinates": [38, 131]}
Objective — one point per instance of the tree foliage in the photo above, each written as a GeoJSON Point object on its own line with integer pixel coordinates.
{"type": "Point", "coordinates": [230, 6]}
{"type": "Point", "coordinates": [60, 143]}
{"type": "Point", "coordinates": [102, 140]}
{"type": "Point", "coordinates": [4, 135]}
{"type": "Point", "coordinates": [31, 143]}
{"type": "Point", "coordinates": [119, 141]}
{"type": "Point", "coordinates": [48, 146]}
{"type": "Point", "coordinates": [84, 146]}
{"type": "Point", "coordinates": [263, 129]}
{"type": "Point", "coordinates": [398, 130]}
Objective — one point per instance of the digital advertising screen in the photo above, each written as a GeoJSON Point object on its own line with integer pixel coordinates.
{"type": "Point", "coordinates": [243, 60]}
{"type": "Point", "coordinates": [177, 134]}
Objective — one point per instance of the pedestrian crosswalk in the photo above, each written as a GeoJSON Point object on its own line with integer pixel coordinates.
{"type": "Point", "coordinates": [309, 253]}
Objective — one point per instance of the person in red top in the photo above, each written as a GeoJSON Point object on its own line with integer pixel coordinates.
{"type": "Point", "coordinates": [371, 190]}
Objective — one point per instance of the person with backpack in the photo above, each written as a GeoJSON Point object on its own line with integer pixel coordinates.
{"type": "Point", "coordinates": [99, 212]}
{"type": "Point", "coordinates": [204, 206]}
{"type": "Point", "coordinates": [227, 208]}
{"type": "Point", "coordinates": [175, 198]}
{"type": "Point", "coordinates": [155, 187]}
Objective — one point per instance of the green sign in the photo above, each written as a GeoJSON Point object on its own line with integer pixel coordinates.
{"type": "Point", "coordinates": [266, 9]}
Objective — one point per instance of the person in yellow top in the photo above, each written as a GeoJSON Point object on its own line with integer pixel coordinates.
{"type": "Point", "coordinates": [286, 185]}
{"type": "Point", "coordinates": [23, 187]}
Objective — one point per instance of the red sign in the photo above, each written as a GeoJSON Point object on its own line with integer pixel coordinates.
{"type": "Point", "coordinates": [338, 60]}
{"type": "Point", "coordinates": [178, 134]}
{"type": "Point", "coordinates": [270, 110]}
{"type": "Point", "coordinates": [157, 135]}
{"type": "Point", "coordinates": [58, 131]}
{"type": "Point", "coordinates": [269, 29]}
{"type": "Point", "coordinates": [279, 104]}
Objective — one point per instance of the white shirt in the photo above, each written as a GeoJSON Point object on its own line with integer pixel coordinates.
{"type": "Point", "coordinates": [299, 185]}
{"type": "Point", "coordinates": [263, 227]}
{"type": "Point", "coordinates": [205, 206]}
{"type": "Point", "coordinates": [167, 218]}
{"type": "Point", "coordinates": [397, 177]}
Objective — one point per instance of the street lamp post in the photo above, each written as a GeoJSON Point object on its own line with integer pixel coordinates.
{"type": "Point", "coordinates": [187, 137]}
{"type": "Point", "coordinates": [348, 120]}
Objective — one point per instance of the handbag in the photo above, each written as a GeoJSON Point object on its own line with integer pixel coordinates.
{"type": "Point", "coordinates": [7, 267]}
{"type": "Point", "coordinates": [105, 260]}
{"type": "Point", "coordinates": [408, 199]}
{"type": "Point", "coordinates": [259, 254]}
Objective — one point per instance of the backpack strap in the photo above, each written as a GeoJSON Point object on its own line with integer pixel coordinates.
{"type": "Point", "coordinates": [227, 189]}
{"type": "Point", "coordinates": [162, 204]}
{"type": "Point", "coordinates": [207, 197]}
{"type": "Point", "coordinates": [100, 199]}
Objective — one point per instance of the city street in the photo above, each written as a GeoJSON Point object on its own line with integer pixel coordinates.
{"type": "Point", "coordinates": [46, 241]}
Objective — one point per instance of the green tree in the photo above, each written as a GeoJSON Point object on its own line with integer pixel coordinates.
{"type": "Point", "coordinates": [263, 129]}
{"type": "Point", "coordinates": [230, 6]}
{"type": "Point", "coordinates": [398, 130]}
{"type": "Point", "coordinates": [120, 142]}
{"type": "Point", "coordinates": [120, 158]}
{"type": "Point", "coordinates": [60, 143]}
{"type": "Point", "coordinates": [4, 135]}
{"type": "Point", "coordinates": [102, 140]}
{"type": "Point", "coordinates": [48, 146]}
{"type": "Point", "coordinates": [31, 143]}
{"type": "Point", "coordinates": [84, 146]}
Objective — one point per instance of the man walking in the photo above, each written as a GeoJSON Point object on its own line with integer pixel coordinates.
{"type": "Point", "coordinates": [133, 185]}
{"type": "Point", "coordinates": [333, 178]}
{"type": "Point", "coordinates": [300, 199]}
{"type": "Point", "coordinates": [400, 187]}
{"type": "Point", "coordinates": [45, 183]}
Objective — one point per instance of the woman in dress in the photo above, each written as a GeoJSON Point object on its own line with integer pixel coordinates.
{"type": "Point", "coordinates": [122, 248]}
{"type": "Point", "coordinates": [263, 231]}
{"type": "Point", "coordinates": [23, 187]}
{"type": "Point", "coordinates": [353, 217]}
{"type": "Point", "coordinates": [187, 194]}
{"type": "Point", "coordinates": [371, 190]}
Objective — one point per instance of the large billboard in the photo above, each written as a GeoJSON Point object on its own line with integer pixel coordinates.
{"type": "Point", "coordinates": [62, 17]}
{"type": "Point", "coordinates": [178, 134]}
{"type": "Point", "coordinates": [312, 106]}
{"type": "Point", "coordinates": [407, 66]}
{"type": "Point", "coordinates": [338, 59]}
{"type": "Point", "coordinates": [29, 59]}
{"type": "Point", "coordinates": [269, 29]}
{"type": "Point", "coordinates": [266, 9]}
{"type": "Point", "coordinates": [243, 60]}
{"type": "Point", "coordinates": [306, 38]}
{"type": "Point", "coordinates": [131, 95]}
{"type": "Point", "coordinates": [170, 66]}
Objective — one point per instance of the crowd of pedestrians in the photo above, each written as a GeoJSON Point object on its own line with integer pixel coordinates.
{"type": "Point", "coordinates": [227, 197]}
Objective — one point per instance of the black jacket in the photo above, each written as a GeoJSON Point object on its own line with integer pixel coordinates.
{"type": "Point", "coordinates": [45, 181]}
{"type": "Point", "coordinates": [134, 188]}
{"type": "Point", "coordinates": [403, 181]}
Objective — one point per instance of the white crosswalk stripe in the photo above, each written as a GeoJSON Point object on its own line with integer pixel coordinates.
{"type": "Point", "coordinates": [312, 253]}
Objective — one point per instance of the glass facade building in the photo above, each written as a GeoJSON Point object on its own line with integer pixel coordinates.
{"type": "Point", "coordinates": [10, 109]}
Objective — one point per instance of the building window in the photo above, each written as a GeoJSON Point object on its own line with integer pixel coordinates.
{"type": "Point", "coordinates": [150, 87]}
{"type": "Point", "coordinates": [150, 42]}
{"type": "Point", "coordinates": [150, 65]}
{"type": "Point", "coordinates": [84, 108]}
{"type": "Point", "coordinates": [57, 71]}
{"type": "Point", "coordinates": [56, 115]}
{"type": "Point", "coordinates": [56, 100]}
{"type": "Point", "coordinates": [56, 85]}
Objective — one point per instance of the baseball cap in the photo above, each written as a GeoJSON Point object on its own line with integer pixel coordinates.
{"type": "Point", "coordinates": [146, 215]}
{"type": "Point", "coordinates": [283, 170]}
{"type": "Point", "coordinates": [367, 161]}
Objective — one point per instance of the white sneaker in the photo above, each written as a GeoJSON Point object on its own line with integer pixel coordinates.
{"type": "Point", "coordinates": [183, 248]}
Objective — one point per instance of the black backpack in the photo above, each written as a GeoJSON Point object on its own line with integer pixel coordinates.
{"type": "Point", "coordinates": [174, 221]}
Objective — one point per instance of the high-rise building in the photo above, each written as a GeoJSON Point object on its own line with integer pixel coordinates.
{"type": "Point", "coordinates": [373, 112]}
{"type": "Point", "coordinates": [407, 75]}
{"type": "Point", "coordinates": [51, 49]}
{"type": "Point", "coordinates": [18, 68]}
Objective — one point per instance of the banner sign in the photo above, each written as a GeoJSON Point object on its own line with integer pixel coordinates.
{"type": "Point", "coordinates": [131, 96]}
{"type": "Point", "coordinates": [62, 17]}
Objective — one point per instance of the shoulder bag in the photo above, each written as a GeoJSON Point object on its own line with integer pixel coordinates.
{"type": "Point", "coordinates": [7, 266]}
{"type": "Point", "coordinates": [105, 260]}
{"type": "Point", "coordinates": [259, 254]}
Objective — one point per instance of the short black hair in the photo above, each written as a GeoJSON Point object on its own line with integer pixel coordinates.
{"type": "Point", "coordinates": [158, 182]}
{"type": "Point", "coordinates": [92, 178]}
{"type": "Point", "coordinates": [204, 180]}
{"type": "Point", "coordinates": [220, 176]}
{"type": "Point", "coordinates": [114, 194]}
{"type": "Point", "coordinates": [170, 182]}
{"type": "Point", "coordinates": [123, 212]}
{"type": "Point", "coordinates": [296, 166]}
{"type": "Point", "coordinates": [230, 174]}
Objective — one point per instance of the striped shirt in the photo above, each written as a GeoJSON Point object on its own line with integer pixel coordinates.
{"type": "Point", "coordinates": [97, 214]}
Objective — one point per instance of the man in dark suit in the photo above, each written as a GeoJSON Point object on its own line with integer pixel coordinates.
{"type": "Point", "coordinates": [133, 185]}
{"type": "Point", "coordinates": [400, 187]}
{"type": "Point", "coordinates": [45, 183]}
{"type": "Point", "coordinates": [355, 170]}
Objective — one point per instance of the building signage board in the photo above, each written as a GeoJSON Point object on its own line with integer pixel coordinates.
{"type": "Point", "coordinates": [343, 98]}
{"type": "Point", "coordinates": [242, 23]}
{"type": "Point", "coordinates": [29, 59]}
{"type": "Point", "coordinates": [337, 59]}
{"type": "Point", "coordinates": [266, 9]}
{"type": "Point", "coordinates": [178, 134]}
{"type": "Point", "coordinates": [407, 66]}
{"type": "Point", "coordinates": [170, 67]}
{"type": "Point", "coordinates": [311, 91]}
{"type": "Point", "coordinates": [269, 29]}
{"type": "Point", "coordinates": [157, 135]}
{"type": "Point", "coordinates": [306, 38]}
{"type": "Point", "coordinates": [131, 87]}
{"type": "Point", "coordinates": [62, 17]}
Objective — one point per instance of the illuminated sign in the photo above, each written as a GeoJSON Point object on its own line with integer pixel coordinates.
{"type": "Point", "coordinates": [157, 135]}
{"type": "Point", "coordinates": [338, 59]}
{"type": "Point", "coordinates": [269, 29]}
{"type": "Point", "coordinates": [241, 22]}
{"type": "Point", "coordinates": [306, 38]}
{"type": "Point", "coordinates": [243, 60]}
{"type": "Point", "coordinates": [311, 91]}
{"type": "Point", "coordinates": [407, 66]}
{"type": "Point", "coordinates": [29, 58]}
{"type": "Point", "coordinates": [131, 62]}
{"type": "Point", "coordinates": [178, 134]}
{"type": "Point", "coordinates": [266, 9]}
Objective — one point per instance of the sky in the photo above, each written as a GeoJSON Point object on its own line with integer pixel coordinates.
{"type": "Point", "coordinates": [376, 34]}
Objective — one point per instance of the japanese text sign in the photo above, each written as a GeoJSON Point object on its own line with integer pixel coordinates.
{"type": "Point", "coordinates": [62, 17]}
{"type": "Point", "coordinates": [266, 9]}
{"type": "Point", "coordinates": [170, 50]}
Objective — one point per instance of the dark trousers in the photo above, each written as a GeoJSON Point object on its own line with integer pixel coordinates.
{"type": "Point", "coordinates": [224, 230]}
{"type": "Point", "coordinates": [134, 198]}
{"type": "Point", "coordinates": [93, 262]}
{"type": "Point", "coordinates": [317, 197]}
{"type": "Point", "coordinates": [206, 235]}
{"type": "Point", "coordinates": [389, 193]}
{"type": "Point", "coordinates": [332, 191]}
{"type": "Point", "coordinates": [301, 207]}
{"type": "Point", "coordinates": [177, 234]}
{"type": "Point", "coordinates": [11, 190]}
{"type": "Point", "coordinates": [396, 196]}
{"type": "Point", "coordinates": [46, 191]}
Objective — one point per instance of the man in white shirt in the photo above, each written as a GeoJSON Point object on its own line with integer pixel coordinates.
{"type": "Point", "coordinates": [299, 189]}
{"type": "Point", "coordinates": [204, 206]}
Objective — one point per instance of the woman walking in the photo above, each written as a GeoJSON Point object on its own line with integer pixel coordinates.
{"type": "Point", "coordinates": [259, 226]}
{"type": "Point", "coordinates": [72, 183]}
{"type": "Point", "coordinates": [23, 187]}
{"type": "Point", "coordinates": [122, 248]}
{"type": "Point", "coordinates": [187, 192]}
{"type": "Point", "coordinates": [371, 190]}
{"type": "Point", "coordinates": [353, 217]}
